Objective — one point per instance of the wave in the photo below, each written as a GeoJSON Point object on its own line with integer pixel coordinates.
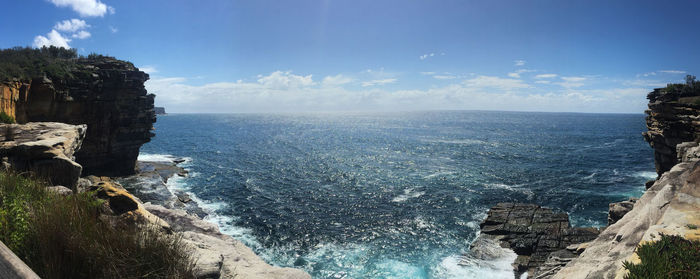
{"type": "Point", "coordinates": [515, 188]}
{"type": "Point", "coordinates": [440, 173]}
{"type": "Point", "coordinates": [646, 174]}
{"type": "Point", "coordinates": [224, 222]}
{"type": "Point", "coordinates": [408, 194]}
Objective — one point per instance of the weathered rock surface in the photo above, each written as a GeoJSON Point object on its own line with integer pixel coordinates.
{"type": "Point", "coordinates": [532, 232]}
{"type": "Point", "coordinates": [45, 148]}
{"type": "Point", "coordinates": [106, 94]}
{"type": "Point", "coordinates": [219, 255]}
{"type": "Point", "coordinates": [668, 207]}
{"type": "Point", "coordinates": [673, 117]}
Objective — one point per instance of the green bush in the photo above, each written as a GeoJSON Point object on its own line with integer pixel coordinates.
{"type": "Point", "coordinates": [63, 237]}
{"type": "Point", "coordinates": [5, 118]}
{"type": "Point", "coordinates": [670, 257]}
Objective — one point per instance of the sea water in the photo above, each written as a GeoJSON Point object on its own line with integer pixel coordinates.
{"type": "Point", "coordinates": [396, 195]}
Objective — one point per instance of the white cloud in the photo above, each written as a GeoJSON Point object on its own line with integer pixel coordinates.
{"type": "Point", "coordinates": [82, 34]}
{"type": "Point", "coordinates": [543, 81]}
{"type": "Point", "coordinates": [444, 76]}
{"type": "Point", "coordinates": [53, 38]}
{"type": "Point", "coordinates": [113, 29]}
{"type": "Point", "coordinates": [519, 63]}
{"type": "Point", "coordinates": [85, 8]}
{"type": "Point", "coordinates": [427, 73]}
{"type": "Point", "coordinates": [572, 82]}
{"type": "Point", "coordinates": [491, 82]}
{"type": "Point", "coordinates": [514, 75]}
{"type": "Point", "coordinates": [672, 72]}
{"type": "Point", "coordinates": [286, 79]}
{"type": "Point", "coordinates": [378, 82]}
{"type": "Point", "coordinates": [424, 56]}
{"type": "Point", "coordinates": [148, 69]}
{"type": "Point", "coordinates": [336, 80]}
{"type": "Point", "coordinates": [71, 25]}
{"type": "Point", "coordinates": [545, 76]}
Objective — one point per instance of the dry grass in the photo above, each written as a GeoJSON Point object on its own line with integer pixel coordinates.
{"type": "Point", "coordinates": [63, 237]}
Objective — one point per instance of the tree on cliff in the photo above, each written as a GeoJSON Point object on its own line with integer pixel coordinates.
{"type": "Point", "coordinates": [25, 63]}
{"type": "Point", "coordinates": [690, 80]}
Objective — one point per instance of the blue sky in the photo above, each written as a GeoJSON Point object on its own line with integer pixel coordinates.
{"type": "Point", "coordinates": [274, 56]}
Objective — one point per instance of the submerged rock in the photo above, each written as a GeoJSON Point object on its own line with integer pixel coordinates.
{"type": "Point", "coordinates": [45, 148]}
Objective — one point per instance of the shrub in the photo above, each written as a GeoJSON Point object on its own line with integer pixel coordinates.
{"type": "Point", "coordinates": [5, 118]}
{"type": "Point", "coordinates": [63, 237]}
{"type": "Point", "coordinates": [670, 257]}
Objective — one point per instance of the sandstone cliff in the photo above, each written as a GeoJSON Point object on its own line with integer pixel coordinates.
{"type": "Point", "coordinates": [106, 94]}
{"type": "Point", "coordinates": [673, 117]}
{"type": "Point", "coordinates": [671, 205]}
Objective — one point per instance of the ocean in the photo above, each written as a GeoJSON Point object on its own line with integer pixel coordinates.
{"type": "Point", "coordinates": [396, 195]}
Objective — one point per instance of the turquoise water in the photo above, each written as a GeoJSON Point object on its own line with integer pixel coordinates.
{"type": "Point", "coordinates": [396, 195]}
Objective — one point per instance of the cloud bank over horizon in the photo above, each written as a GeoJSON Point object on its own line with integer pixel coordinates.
{"type": "Point", "coordinates": [285, 91]}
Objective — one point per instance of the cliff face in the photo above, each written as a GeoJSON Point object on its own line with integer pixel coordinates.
{"type": "Point", "coordinates": [673, 117]}
{"type": "Point", "coordinates": [671, 205]}
{"type": "Point", "coordinates": [106, 94]}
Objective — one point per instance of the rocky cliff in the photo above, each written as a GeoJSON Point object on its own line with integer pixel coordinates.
{"type": "Point", "coordinates": [671, 204]}
{"type": "Point", "coordinates": [106, 94]}
{"type": "Point", "coordinates": [673, 117]}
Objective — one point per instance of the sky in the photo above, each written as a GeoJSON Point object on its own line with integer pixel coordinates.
{"type": "Point", "coordinates": [224, 56]}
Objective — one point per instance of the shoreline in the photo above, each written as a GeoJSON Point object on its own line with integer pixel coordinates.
{"type": "Point", "coordinates": [220, 254]}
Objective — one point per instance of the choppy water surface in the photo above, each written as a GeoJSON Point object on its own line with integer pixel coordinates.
{"type": "Point", "coordinates": [397, 195]}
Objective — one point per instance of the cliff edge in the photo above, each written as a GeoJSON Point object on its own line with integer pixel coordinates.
{"type": "Point", "coordinates": [671, 205]}
{"type": "Point", "coordinates": [106, 94]}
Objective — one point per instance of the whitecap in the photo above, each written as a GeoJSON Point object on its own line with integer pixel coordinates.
{"type": "Point", "coordinates": [407, 194]}
{"type": "Point", "coordinates": [646, 174]}
{"type": "Point", "coordinates": [162, 158]}
{"type": "Point", "coordinates": [440, 173]}
{"type": "Point", "coordinates": [515, 188]}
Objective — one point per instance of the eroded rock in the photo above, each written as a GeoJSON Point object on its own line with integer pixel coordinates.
{"type": "Point", "coordinates": [44, 148]}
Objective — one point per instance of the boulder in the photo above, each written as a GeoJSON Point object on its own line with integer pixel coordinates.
{"type": "Point", "coordinates": [618, 209]}
{"type": "Point", "coordinates": [60, 190]}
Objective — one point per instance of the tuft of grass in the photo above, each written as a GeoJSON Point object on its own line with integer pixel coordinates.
{"type": "Point", "coordinates": [670, 257]}
{"type": "Point", "coordinates": [63, 237]}
{"type": "Point", "coordinates": [5, 118]}
{"type": "Point", "coordinates": [692, 226]}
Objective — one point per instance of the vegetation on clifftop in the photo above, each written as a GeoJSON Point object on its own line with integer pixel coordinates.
{"type": "Point", "coordinates": [63, 237]}
{"type": "Point", "coordinates": [25, 63]}
{"type": "Point", "coordinates": [670, 257]}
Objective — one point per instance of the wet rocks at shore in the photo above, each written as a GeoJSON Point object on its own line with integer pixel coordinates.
{"type": "Point", "coordinates": [533, 233]}
{"type": "Point", "coordinates": [218, 255]}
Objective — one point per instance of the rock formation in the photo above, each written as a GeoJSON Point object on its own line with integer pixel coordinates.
{"type": "Point", "coordinates": [670, 205]}
{"type": "Point", "coordinates": [673, 117]}
{"type": "Point", "coordinates": [159, 110]}
{"type": "Point", "coordinates": [45, 148]}
{"type": "Point", "coordinates": [106, 94]}
{"type": "Point", "coordinates": [532, 232]}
